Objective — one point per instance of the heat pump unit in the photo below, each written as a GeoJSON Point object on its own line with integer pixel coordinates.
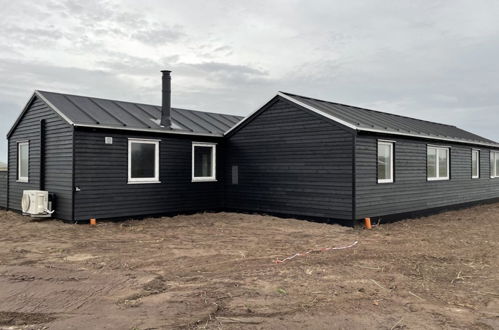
{"type": "Point", "coordinates": [37, 203]}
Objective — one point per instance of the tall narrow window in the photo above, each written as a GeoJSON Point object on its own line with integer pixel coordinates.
{"type": "Point", "coordinates": [437, 163]}
{"type": "Point", "coordinates": [494, 164]}
{"type": "Point", "coordinates": [23, 161]}
{"type": "Point", "coordinates": [385, 162]}
{"type": "Point", "coordinates": [475, 164]}
{"type": "Point", "coordinates": [143, 161]}
{"type": "Point", "coordinates": [203, 162]}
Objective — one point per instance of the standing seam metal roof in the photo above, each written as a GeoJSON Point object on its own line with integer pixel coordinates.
{"type": "Point", "coordinates": [376, 121]}
{"type": "Point", "coordinates": [97, 112]}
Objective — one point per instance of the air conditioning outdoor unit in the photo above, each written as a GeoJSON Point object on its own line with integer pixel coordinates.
{"type": "Point", "coordinates": [37, 203]}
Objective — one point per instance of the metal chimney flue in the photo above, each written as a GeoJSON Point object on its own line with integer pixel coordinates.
{"type": "Point", "coordinates": [166, 102]}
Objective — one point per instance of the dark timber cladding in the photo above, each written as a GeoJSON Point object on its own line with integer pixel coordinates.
{"type": "Point", "coordinates": [56, 163]}
{"type": "Point", "coordinates": [3, 189]}
{"type": "Point", "coordinates": [290, 161]}
{"type": "Point", "coordinates": [101, 173]}
{"type": "Point", "coordinates": [411, 191]}
{"type": "Point", "coordinates": [295, 156]}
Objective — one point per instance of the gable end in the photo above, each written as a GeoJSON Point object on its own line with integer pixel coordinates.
{"type": "Point", "coordinates": [35, 95]}
{"type": "Point", "coordinates": [299, 105]}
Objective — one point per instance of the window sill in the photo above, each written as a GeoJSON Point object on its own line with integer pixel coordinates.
{"type": "Point", "coordinates": [142, 182]}
{"type": "Point", "coordinates": [385, 181]}
{"type": "Point", "coordinates": [438, 179]}
{"type": "Point", "coordinates": [204, 180]}
{"type": "Point", "coordinates": [22, 181]}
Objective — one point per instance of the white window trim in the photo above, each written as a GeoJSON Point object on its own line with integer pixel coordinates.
{"type": "Point", "coordinates": [389, 143]}
{"type": "Point", "coordinates": [213, 177]}
{"type": "Point", "coordinates": [437, 165]}
{"type": "Point", "coordinates": [493, 169]}
{"type": "Point", "coordinates": [155, 179]}
{"type": "Point", "coordinates": [477, 165]}
{"type": "Point", "coordinates": [19, 177]}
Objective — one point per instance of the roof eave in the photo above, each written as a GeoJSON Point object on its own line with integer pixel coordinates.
{"type": "Point", "coordinates": [428, 137]}
{"type": "Point", "coordinates": [149, 130]}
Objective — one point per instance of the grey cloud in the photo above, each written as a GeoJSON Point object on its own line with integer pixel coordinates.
{"type": "Point", "coordinates": [158, 35]}
{"type": "Point", "coordinates": [430, 60]}
{"type": "Point", "coordinates": [223, 72]}
{"type": "Point", "coordinates": [146, 68]}
{"type": "Point", "coordinates": [30, 37]}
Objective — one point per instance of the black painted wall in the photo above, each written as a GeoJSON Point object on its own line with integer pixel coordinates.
{"type": "Point", "coordinates": [101, 174]}
{"type": "Point", "coordinates": [286, 160]}
{"type": "Point", "coordinates": [3, 189]}
{"type": "Point", "coordinates": [58, 161]}
{"type": "Point", "coordinates": [411, 191]}
{"type": "Point", "coordinates": [290, 161]}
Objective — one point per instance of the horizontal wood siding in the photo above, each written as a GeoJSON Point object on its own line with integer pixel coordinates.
{"type": "Point", "coordinates": [3, 189]}
{"type": "Point", "coordinates": [411, 191]}
{"type": "Point", "coordinates": [58, 158]}
{"type": "Point", "coordinates": [291, 161]}
{"type": "Point", "coordinates": [101, 174]}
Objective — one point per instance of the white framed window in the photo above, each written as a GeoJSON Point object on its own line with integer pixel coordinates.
{"type": "Point", "coordinates": [143, 161]}
{"type": "Point", "coordinates": [494, 164]}
{"type": "Point", "coordinates": [23, 161]}
{"type": "Point", "coordinates": [385, 161]}
{"type": "Point", "coordinates": [475, 164]}
{"type": "Point", "coordinates": [437, 163]}
{"type": "Point", "coordinates": [204, 164]}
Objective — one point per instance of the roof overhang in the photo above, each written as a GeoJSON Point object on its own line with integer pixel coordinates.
{"type": "Point", "coordinates": [147, 130]}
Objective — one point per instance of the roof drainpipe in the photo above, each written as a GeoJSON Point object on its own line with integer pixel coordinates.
{"type": "Point", "coordinates": [166, 99]}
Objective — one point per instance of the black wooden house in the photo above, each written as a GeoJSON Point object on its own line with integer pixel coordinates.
{"type": "Point", "coordinates": [302, 156]}
{"type": "Point", "coordinates": [295, 156]}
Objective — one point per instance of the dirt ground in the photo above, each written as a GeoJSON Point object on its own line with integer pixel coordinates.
{"type": "Point", "coordinates": [216, 271]}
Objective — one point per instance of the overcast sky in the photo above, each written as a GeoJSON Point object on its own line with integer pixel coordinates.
{"type": "Point", "coordinates": [435, 60]}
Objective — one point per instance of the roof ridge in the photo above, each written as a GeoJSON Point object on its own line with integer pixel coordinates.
{"type": "Point", "coordinates": [130, 102]}
{"type": "Point", "coordinates": [377, 111]}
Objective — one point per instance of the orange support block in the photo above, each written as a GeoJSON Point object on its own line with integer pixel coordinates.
{"type": "Point", "coordinates": [367, 223]}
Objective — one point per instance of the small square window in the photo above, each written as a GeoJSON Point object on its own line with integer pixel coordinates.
{"type": "Point", "coordinates": [437, 163]}
{"type": "Point", "coordinates": [203, 162]}
{"type": "Point", "coordinates": [143, 161]}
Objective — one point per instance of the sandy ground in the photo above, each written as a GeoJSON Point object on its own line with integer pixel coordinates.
{"type": "Point", "coordinates": [216, 271]}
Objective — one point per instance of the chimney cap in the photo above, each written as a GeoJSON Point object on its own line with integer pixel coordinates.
{"type": "Point", "coordinates": [166, 71]}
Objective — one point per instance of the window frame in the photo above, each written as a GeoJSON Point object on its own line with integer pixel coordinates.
{"type": "Point", "coordinates": [213, 177]}
{"type": "Point", "coordinates": [392, 155]}
{"type": "Point", "coordinates": [437, 165]}
{"type": "Point", "coordinates": [154, 179]}
{"type": "Point", "coordinates": [20, 178]}
{"type": "Point", "coordinates": [477, 151]}
{"type": "Point", "coordinates": [493, 169]}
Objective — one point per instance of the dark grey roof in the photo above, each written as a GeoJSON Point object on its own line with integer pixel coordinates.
{"type": "Point", "coordinates": [102, 113]}
{"type": "Point", "coordinates": [381, 122]}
